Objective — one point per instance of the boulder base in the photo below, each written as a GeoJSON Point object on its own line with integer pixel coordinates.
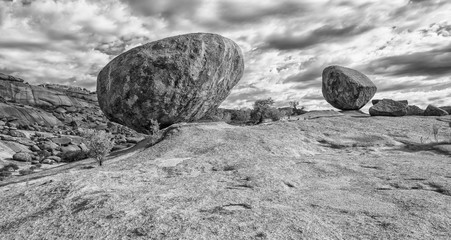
{"type": "Point", "coordinates": [346, 89]}
{"type": "Point", "coordinates": [172, 80]}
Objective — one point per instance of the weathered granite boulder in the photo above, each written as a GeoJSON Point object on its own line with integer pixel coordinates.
{"type": "Point", "coordinates": [346, 89]}
{"type": "Point", "coordinates": [175, 79]}
{"type": "Point", "coordinates": [388, 107]}
{"type": "Point", "coordinates": [432, 110]}
{"type": "Point", "coordinates": [413, 110]}
{"type": "Point", "coordinates": [22, 156]}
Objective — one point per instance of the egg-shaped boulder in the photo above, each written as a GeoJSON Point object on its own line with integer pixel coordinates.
{"type": "Point", "coordinates": [176, 79]}
{"type": "Point", "coordinates": [346, 89]}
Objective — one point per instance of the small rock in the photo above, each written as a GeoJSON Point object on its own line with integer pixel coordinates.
{"type": "Point", "coordinates": [134, 139]}
{"type": "Point", "coordinates": [35, 148]}
{"type": "Point", "coordinates": [388, 107]}
{"type": "Point", "coordinates": [55, 158]}
{"type": "Point", "coordinates": [22, 156]}
{"type": "Point", "coordinates": [48, 161]}
{"type": "Point", "coordinates": [63, 141]}
{"type": "Point", "coordinates": [432, 110]}
{"type": "Point", "coordinates": [48, 145]}
{"type": "Point", "coordinates": [15, 133]}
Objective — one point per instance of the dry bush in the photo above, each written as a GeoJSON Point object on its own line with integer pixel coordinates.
{"type": "Point", "coordinates": [99, 144]}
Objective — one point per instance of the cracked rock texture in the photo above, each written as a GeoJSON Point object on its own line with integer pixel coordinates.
{"type": "Point", "coordinates": [175, 79]}
{"type": "Point", "coordinates": [346, 89]}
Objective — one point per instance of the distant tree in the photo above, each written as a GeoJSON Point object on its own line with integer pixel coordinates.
{"type": "Point", "coordinates": [294, 104]}
{"type": "Point", "coordinates": [263, 109]}
{"type": "Point", "coordinates": [241, 115]}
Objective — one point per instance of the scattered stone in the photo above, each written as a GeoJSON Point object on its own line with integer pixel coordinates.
{"type": "Point", "coordinates": [48, 145]}
{"type": "Point", "coordinates": [413, 110]}
{"type": "Point", "coordinates": [346, 89]}
{"type": "Point", "coordinates": [63, 141]}
{"type": "Point", "coordinates": [15, 133]}
{"type": "Point", "coordinates": [388, 107]}
{"type": "Point", "coordinates": [55, 158]}
{"type": "Point", "coordinates": [432, 110]}
{"type": "Point", "coordinates": [48, 161]}
{"type": "Point", "coordinates": [22, 156]}
{"type": "Point", "coordinates": [176, 79]}
{"type": "Point", "coordinates": [35, 148]}
{"type": "Point", "coordinates": [134, 139]}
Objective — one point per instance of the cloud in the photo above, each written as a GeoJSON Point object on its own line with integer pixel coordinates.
{"type": "Point", "coordinates": [239, 12]}
{"type": "Point", "coordinates": [326, 33]}
{"type": "Point", "coordinates": [433, 63]}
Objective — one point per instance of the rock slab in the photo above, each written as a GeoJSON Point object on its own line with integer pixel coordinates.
{"type": "Point", "coordinates": [176, 79]}
{"type": "Point", "coordinates": [388, 107]}
{"type": "Point", "coordinates": [346, 89]}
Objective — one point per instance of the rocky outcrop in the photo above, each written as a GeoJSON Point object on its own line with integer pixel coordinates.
{"type": "Point", "coordinates": [346, 89]}
{"type": "Point", "coordinates": [175, 79]}
{"type": "Point", "coordinates": [413, 110]}
{"type": "Point", "coordinates": [432, 110]}
{"type": "Point", "coordinates": [375, 101]}
{"type": "Point", "coordinates": [5, 77]}
{"type": "Point", "coordinates": [23, 93]}
{"type": "Point", "coordinates": [26, 115]}
{"type": "Point", "coordinates": [388, 107]}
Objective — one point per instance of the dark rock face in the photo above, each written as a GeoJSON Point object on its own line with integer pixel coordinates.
{"type": "Point", "coordinates": [413, 110]}
{"type": "Point", "coordinates": [432, 110]}
{"type": "Point", "coordinates": [172, 80]}
{"type": "Point", "coordinates": [388, 107]}
{"type": "Point", "coordinates": [346, 89]}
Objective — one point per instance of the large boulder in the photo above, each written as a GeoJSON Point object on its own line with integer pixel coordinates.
{"type": "Point", "coordinates": [346, 89]}
{"type": "Point", "coordinates": [175, 79]}
{"type": "Point", "coordinates": [388, 107]}
{"type": "Point", "coordinates": [432, 110]}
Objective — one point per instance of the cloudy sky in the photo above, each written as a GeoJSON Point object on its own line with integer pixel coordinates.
{"type": "Point", "coordinates": [404, 46]}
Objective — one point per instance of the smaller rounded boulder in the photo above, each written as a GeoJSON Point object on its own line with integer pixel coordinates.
{"type": "Point", "coordinates": [346, 89]}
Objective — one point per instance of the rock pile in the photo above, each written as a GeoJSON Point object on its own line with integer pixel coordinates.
{"type": "Point", "coordinates": [389, 107]}
{"type": "Point", "coordinates": [35, 133]}
{"type": "Point", "coordinates": [346, 89]}
{"type": "Point", "coordinates": [176, 79]}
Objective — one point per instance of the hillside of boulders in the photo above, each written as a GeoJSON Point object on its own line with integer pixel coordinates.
{"type": "Point", "coordinates": [41, 126]}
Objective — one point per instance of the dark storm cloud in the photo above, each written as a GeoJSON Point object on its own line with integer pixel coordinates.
{"type": "Point", "coordinates": [326, 33]}
{"type": "Point", "coordinates": [433, 63]}
{"type": "Point", "coordinates": [167, 9]}
{"type": "Point", "coordinates": [29, 46]}
{"type": "Point", "coordinates": [242, 12]}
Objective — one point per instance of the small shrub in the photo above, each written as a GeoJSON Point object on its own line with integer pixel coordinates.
{"type": "Point", "coordinates": [5, 174]}
{"type": "Point", "coordinates": [11, 166]}
{"type": "Point", "coordinates": [25, 171]}
{"type": "Point", "coordinates": [99, 144]}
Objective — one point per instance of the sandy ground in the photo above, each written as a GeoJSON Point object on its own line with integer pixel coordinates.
{"type": "Point", "coordinates": [324, 176]}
